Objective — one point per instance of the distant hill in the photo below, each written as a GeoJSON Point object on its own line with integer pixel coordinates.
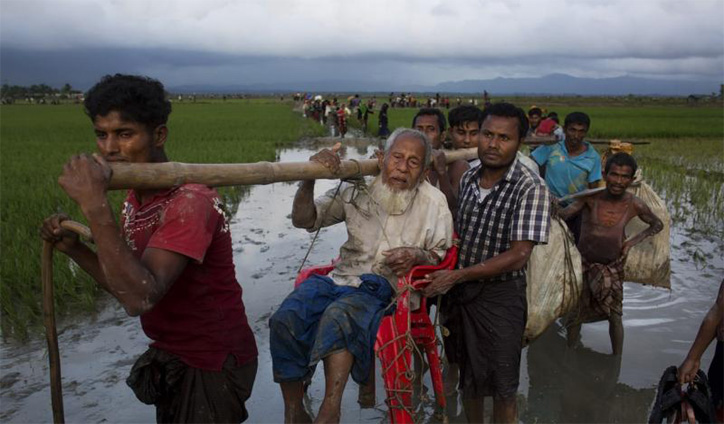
{"type": "Point", "coordinates": [554, 84]}
{"type": "Point", "coordinates": [323, 86]}
{"type": "Point", "coordinates": [562, 84]}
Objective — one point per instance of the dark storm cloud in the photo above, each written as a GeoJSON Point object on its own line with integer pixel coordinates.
{"type": "Point", "coordinates": [415, 42]}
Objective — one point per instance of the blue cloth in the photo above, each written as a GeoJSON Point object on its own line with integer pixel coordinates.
{"type": "Point", "coordinates": [320, 318]}
{"type": "Point", "coordinates": [564, 174]}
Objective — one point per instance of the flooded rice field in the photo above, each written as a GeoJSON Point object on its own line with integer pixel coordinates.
{"type": "Point", "coordinates": [558, 384]}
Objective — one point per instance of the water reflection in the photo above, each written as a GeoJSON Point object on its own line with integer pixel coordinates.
{"type": "Point", "coordinates": [579, 385]}
{"type": "Point", "coordinates": [694, 198]}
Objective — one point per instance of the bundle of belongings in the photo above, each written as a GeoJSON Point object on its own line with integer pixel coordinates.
{"type": "Point", "coordinates": [676, 405]}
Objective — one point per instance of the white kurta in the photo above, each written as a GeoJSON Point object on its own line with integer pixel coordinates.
{"type": "Point", "coordinates": [426, 223]}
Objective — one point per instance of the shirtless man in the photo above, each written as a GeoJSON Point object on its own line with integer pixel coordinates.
{"type": "Point", "coordinates": [465, 122]}
{"type": "Point", "coordinates": [431, 122]}
{"type": "Point", "coordinates": [604, 247]}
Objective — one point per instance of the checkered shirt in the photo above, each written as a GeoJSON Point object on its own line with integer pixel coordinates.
{"type": "Point", "coordinates": [516, 209]}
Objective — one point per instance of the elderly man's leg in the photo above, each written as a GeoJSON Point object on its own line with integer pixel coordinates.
{"type": "Point", "coordinates": [505, 409]}
{"type": "Point", "coordinates": [344, 339]}
{"type": "Point", "coordinates": [292, 333]}
{"type": "Point", "coordinates": [293, 394]}
{"type": "Point", "coordinates": [336, 373]}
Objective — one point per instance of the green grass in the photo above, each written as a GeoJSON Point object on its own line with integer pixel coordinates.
{"type": "Point", "coordinates": [37, 140]}
{"type": "Point", "coordinates": [626, 122]}
{"type": "Point", "coordinates": [689, 175]}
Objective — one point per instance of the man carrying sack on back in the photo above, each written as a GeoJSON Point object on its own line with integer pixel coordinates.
{"type": "Point", "coordinates": [604, 247]}
{"type": "Point", "coordinates": [170, 262]}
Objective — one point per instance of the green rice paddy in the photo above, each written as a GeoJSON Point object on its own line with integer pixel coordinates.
{"type": "Point", "coordinates": [622, 122]}
{"type": "Point", "coordinates": [36, 141]}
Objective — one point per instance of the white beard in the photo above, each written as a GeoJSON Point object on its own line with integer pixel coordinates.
{"type": "Point", "coordinates": [393, 202]}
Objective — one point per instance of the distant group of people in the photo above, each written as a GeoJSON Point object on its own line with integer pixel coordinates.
{"type": "Point", "coordinates": [544, 124]}
{"type": "Point", "coordinates": [330, 112]}
{"type": "Point", "coordinates": [403, 100]}
{"type": "Point", "coordinates": [170, 259]}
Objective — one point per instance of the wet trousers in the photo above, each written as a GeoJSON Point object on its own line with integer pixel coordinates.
{"type": "Point", "coordinates": [320, 318]}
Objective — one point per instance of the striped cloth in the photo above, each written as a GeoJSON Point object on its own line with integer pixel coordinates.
{"type": "Point", "coordinates": [516, 209]}
{"type": "Point", "coordinates": [606, 285]}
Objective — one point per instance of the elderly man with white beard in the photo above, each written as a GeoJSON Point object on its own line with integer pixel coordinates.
{"type": "Point", "coordinates": [394, 222]}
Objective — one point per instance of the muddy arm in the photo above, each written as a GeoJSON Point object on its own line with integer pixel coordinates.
{"type": "Point", "coordinates": [655, 224]}
{"type": "Point", "coordinates": [304, 213]}
{"type": "Point", "coordinates": [572, 209]}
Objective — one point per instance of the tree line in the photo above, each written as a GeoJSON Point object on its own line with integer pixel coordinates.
{"type": "Point", "coordinates": [37, 91]}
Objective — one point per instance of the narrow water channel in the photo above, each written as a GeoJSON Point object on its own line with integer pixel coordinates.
{"type": "Point", "coordinates": [557, 384]}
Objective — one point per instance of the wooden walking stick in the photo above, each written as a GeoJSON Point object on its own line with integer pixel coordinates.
{"type": "Point", "coordinates": [51, 332]}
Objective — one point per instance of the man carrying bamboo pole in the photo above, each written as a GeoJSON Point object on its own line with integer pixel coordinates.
{"type": "Point", "coordinates": [572, 165]}
{"type": "Point", "coordinates": [431, 122]}
{"type": "Point", "coordinates": [396, 221]}
{"type": "Point", "coordinates": [170, 262]}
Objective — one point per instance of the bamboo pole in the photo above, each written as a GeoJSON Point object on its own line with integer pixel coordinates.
{"type": "Point", "coordinates": [349, 140]}
{"type": "Point", "coordinates": [170, 174]}
{"type": "Point", "coordinates": [552, 140]}
{"type": "Point", "coordinates": [582, 193]}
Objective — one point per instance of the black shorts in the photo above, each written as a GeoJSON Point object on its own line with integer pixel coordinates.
{"type": "Point", "coordinates": [183, 394]}
{"type": "Point", "coordinates": [486, 321]}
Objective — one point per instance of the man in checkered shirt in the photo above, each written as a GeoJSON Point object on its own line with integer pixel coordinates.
{"type": "Point", "coordinates": [503, 211]}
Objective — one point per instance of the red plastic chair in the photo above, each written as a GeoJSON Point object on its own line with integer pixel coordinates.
{"type": "Point", "coordinates": [394, 347]}
{"type": "Point", "coordinates": [314, 270]}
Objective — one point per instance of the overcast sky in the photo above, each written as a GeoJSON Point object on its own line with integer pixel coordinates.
{"type": "Point", "coordinates": [221, 42]}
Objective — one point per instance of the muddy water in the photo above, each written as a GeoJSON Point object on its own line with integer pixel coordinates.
{"type": "Point", "coordinates": [557, 384]}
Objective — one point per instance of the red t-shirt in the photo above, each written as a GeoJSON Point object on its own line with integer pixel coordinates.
{"type": "Point", "coordinates": [201, 318]}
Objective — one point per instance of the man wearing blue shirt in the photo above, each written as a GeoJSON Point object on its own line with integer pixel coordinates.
{"type": "Point", "coordinates": [571, 165]}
